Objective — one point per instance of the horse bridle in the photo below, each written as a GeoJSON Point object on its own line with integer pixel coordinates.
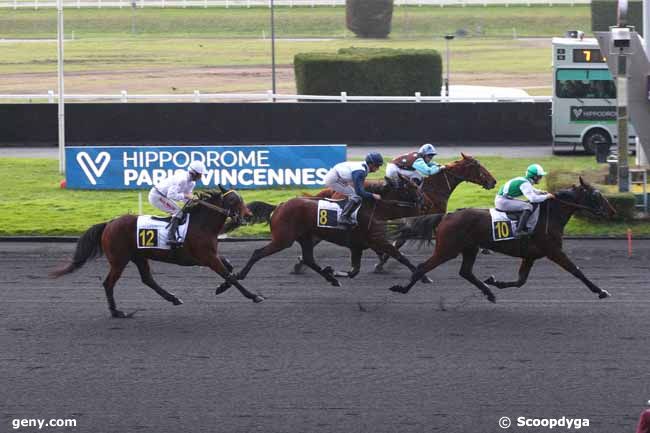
{"type": "Point", "coordinates": [214, 207]}
{"type": "Point", "coordinates": [598, 211]}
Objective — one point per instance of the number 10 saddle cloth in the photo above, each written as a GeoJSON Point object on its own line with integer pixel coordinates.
{"type": "Point", "coordinates": [151, 231]}
{"type": "Point", "coordinates": [504, 224]}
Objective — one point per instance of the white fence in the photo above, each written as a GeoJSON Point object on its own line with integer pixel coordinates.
{"type": "Point", "coordinates": [269, 96]}
{"type": "Point", "coordinates": [39, 4]}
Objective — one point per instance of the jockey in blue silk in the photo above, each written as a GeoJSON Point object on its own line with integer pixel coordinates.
{"type": "Point", "coordinates": [348, 178]}
{"type": "Point", "coordinates": [174, 188]}
{"type": "Point", "coordinates": [415, 165]}
{"type": "Point", "coordinates": [509, 195]}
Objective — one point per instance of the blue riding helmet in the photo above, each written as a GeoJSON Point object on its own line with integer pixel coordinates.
{"type": "Point", "coordinates": [427, 149]}
{"type": "Point", "coordinates": [374, 158]}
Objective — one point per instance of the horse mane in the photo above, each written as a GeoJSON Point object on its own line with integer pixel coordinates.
{"type": "Point", "coordinates": [208, 195]}
{"type": "Point", "coordinates": [375, 186]}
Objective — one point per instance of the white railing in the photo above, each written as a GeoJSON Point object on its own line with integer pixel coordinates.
{"type": "Point", "coordinates": [197, 96]}
{"type": "Point", "coordinates": [40, 4]}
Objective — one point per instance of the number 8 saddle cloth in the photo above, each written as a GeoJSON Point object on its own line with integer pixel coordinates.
{"type": "Point", "coordinates": [329, 211]}
{"type": "Point", "coordinates": [151, 231]}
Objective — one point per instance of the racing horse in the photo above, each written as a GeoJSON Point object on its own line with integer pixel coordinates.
{"type": "Point", "coordinates": [297, 220]}
{"type": "Point", "coordinates": [467, 230]}
{"type": "Point", "coordinates": [437, 190]}
{"type": "Point", "coordinates": [118, 241]}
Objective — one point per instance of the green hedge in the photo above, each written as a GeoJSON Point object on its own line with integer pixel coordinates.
{"type": "Point", "coordinates": [369, 72]}
{"type": "Point", "coordinates": [624, 203]}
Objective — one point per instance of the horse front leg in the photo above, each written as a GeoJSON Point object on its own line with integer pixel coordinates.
{"type": "Point", "coordinates": [524, 271]}
{"type": "Point", "coordinates": [216, 265]}
{"type": "Point", "coordinates": [561, 259]}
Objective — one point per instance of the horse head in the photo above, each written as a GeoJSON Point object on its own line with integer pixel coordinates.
{"type": "Point", "coordinates": [470, 169]}
{"type": "Point", "coordinates": [229, 200]}
{"type": "Point", "coordinates": [592, 199]}
{"type": "Point", "coordinates": [402, 189]}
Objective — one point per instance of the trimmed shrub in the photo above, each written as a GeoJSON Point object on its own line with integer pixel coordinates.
{"type": "Point", "coordinates": [369, 18]}
{"type": "Point", "coordinates": [624, 203]}
{"type": "Point", "coordinates": [369, 72]}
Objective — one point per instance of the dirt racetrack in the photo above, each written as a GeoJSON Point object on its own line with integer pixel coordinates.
{"type": "Point", "coordinates": [309, 360]}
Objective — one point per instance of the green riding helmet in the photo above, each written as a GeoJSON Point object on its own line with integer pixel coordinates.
{"type": "Point", "coordinates": [535, 170]}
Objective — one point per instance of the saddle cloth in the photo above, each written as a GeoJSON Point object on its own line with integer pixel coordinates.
{"type": "Point", "coordinates": [151, 232]}
{"type": "Point", "coordinates": [329, 211]}
{"type": "Point", "coordinates": [503, 228]}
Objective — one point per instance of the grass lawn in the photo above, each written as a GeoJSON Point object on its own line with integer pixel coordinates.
{"type": "Point", "coordinates": [218, 22]}
{"type": "Point", "coordinates": [34, 204]}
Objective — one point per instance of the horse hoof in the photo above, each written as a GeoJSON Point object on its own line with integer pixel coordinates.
{"type": "Point", "coordinates": [490, 280]}
{"type": "Point", "coordinates": [336, 283]}
{"type": "Point", "coordinates": [258, 298]}
{"type": "Point", "coordinates": [398, 289]}
{"type": "Point", "coordinates": [604, 294]}
{"type": "Point", "coordinates": [492, 298]}
{"type": "Point", "coordinates": [118, 314]}
{"type": "Point", "coordinates": [222, 288]}
{"type": "Point", "coordinates": [426, 280]}
{"type": "Point", "coordinates": [177, 301]}
{"type": "Point", "coordinates": [298, 269]}
{"type": "Point", "coordinates": [486, 251]}
{"type": "Point", "coordinates": [341, 274]}
{"type": "Point", "coordinates": [379, 269]}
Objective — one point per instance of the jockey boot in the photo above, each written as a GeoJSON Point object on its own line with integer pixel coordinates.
{"type": "Point", "coordinates": [346, 214]}
{"type": "Point", "coordinates": [172, 234]}
{"type": "Point", "coordinates": [522, 230]}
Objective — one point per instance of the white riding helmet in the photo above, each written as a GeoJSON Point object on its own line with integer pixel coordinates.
{"type": "Point", "coordinates": [196, 167]}
{"type": "Point", "coordinates": [428, 149]}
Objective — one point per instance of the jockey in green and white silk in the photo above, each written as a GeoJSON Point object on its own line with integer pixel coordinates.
{"type": "Point", "coordinates": [509, 197]}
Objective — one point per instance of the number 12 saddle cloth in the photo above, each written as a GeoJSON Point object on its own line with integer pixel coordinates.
{"type": "Point", "coordinates": [151, 231]}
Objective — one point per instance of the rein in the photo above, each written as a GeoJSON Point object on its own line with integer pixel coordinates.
{"type": "Point", "coordinates": [575, 205]}
{"type": "Point", "coordinates": [213, 207]}
{"type": "Point", "coordinates": [398, 203]}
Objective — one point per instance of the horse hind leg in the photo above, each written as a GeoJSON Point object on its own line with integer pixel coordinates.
{"type": "Point", "coordinates": [524, 271]}
{"type": "Point", "coordinates": [469, 258]}
{"type": "Point", "coordinates": [308, 259]}
{"type": "Point", "coordinates": [114, 274]}
{"type": "Point", "coordinates": [383, 257]}
{"type": "Point", "coordinates": [147, 278]}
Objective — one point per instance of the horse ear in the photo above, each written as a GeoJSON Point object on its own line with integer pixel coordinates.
{"type": "Point", "coordinates": [223, 190]}
{"type": "Point", "coordinates": [463, 155]}
{"type": "Point", "coordinates": [582, 182]}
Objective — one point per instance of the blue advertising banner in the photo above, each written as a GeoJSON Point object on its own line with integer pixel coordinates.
{"type": "Point", "coordinates": [241, 167]}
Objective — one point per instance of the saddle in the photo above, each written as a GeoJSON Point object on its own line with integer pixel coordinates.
{"type": "Point", "coordinates": [329, 211]}
{"type": "Point", "coordinates": [167, 219]}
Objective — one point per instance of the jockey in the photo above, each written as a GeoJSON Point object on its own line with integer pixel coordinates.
{"type": "Point", "coordinates": [177, 187]}
{"type": "Point", "coordinates": [415, 165]}
{"type": "Point", "coordinates": [348, 178]}
{"type": "Point", "coordinates": [506, 199]}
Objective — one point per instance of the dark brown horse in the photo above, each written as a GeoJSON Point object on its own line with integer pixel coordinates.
{"type": "Point", "coordinates": [437, 190]}
{"type": "Point", "coordinates": [117, 240]}
{"type": "Point", "coordinates": [296, 220]}
{"type": "Point", "coordinates": [467, 230]}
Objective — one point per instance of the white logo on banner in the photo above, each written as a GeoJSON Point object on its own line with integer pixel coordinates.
{"type": "Point", "coordinates": [93, 169]}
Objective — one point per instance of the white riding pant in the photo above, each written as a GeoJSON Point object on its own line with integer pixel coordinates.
{"type": "Point", "coordinates": [164, 204]}
{"type": "Point", "coordinates": [334, 181]}
{"type": "Point", "coordinates": [510, 204]}
{"type": "Point", "coordinates": [393, 170]}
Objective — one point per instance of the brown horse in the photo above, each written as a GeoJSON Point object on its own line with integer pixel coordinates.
{"type": "Point", "coordinates": [467, 230]}
{"type": "Point", "coordinates": [117, 240]}
{"type": "Point", "coordinates": [436, 190]}
{"type": "Point", "coordinates": [296, 220]}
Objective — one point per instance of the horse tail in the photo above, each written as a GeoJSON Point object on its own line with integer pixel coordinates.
{"type": "Point", "coordinates": [89, 246]}
{"type": "Point", "coordinates": [421, 228]}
